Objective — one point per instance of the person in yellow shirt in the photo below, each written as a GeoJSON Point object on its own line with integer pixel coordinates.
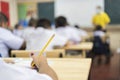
{"type": "Point", "coordinates": [101, 18]}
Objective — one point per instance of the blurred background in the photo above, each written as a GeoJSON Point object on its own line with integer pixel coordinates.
{"type": "Point", "coordinates": [77, 12]}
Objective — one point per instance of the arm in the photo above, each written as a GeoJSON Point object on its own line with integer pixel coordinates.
{"type": "Point", "coordinates": [14, 42]}
{"type": "Point", "coordinates": [23, 46]}
{"type": "Point", "coordinates": [44, 68]}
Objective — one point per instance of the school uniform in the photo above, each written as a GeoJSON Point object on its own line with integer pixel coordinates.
{"type": "Point", "coordinates": [70, 33]}
{"type": "Point", "coordinates": [98, 45]}
{"type": "Point", "coordinates": [82, 33]}
{"type": "Point", "coordinates": [18, 32]}
{"type": "Point", "coordinates": [38, 37]}
{"type": "Point", "coordinates": [12, 72]}
{"type": "Point", "coordinates": [58, 40]}
{"type": "Point", "coordinates": [27, 35]}
{"type": "Point", "coordinates": [8, 41]}
{"type": "Point", "coordinates": [99, 33]}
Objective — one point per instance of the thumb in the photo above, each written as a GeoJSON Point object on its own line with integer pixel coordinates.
{"type": "Point", "coordinates": [35, 59]}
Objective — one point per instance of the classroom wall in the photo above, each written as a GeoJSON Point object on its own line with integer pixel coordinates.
{"type": "Point", "coordinates": [23, 8]}
{"type": "Point", "coordinates": [78, 11]}
{"type": "Point", "coordinates": [21, 1]}
{"type": "Point", "coordinates": [5, 9]}
{"type": "Point", "coordinates": [114, 32]}
{"type": "Point", "coordinates": [13, 11]}
{"type": "Point", "coordinates": [29, 5]}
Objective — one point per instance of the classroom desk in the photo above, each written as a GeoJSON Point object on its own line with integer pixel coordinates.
{"type": "Point", "coordinates": [66, 69]}
{"type": "Point", "coordinates": [84, 46]}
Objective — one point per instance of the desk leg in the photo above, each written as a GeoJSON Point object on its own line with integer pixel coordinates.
{"type": "Point", "coordinates": [84, 53]}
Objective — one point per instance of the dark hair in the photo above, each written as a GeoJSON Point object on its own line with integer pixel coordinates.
{"type": "Point", "coordinates": [3, 18]}
{"type": "Point", "coordinates": [99, 7]}
{"type": "Point", "coordinates": [45, 23]}
{"type": "Point", "coordinates": [60, 21]}
{"type": "Point", "coordinates": [98, 27]}
{"type": "Point", "coordinates": [105, 31]}
{"type": "Point", "coordinates": [32, 22]}
{"type": "Point", "coordinates": [16, 26]}
{"type": "Point", "coordinates": [76, 26]}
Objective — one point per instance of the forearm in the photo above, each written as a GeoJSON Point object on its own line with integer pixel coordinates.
{"type": "Point", "coordinates": [23, 46]}
{"type": "Point", "coordinates": [46, 69]}
{"type": "Point", "coordinates": [43, 67]}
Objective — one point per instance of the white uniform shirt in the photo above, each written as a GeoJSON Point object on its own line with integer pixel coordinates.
{"type": "Point", "coordinates": [37, 38]}
{"type": "Point", "coordinates": [8, 41]}
{"type": "Point", "coordinates": [12, 72]}
{"type": "Point", "coordinates": [58, 40]}
{"type": "Point", "coordinates": [82, 33]}
{"type": "Point", "coordinates": [99, 33]}
{"type": "Point", "coordinates": [18, 32]}
{"type": "Point", "coordinates": [69, 32]}
{"type": "Point", "coordinates": [27, 35]}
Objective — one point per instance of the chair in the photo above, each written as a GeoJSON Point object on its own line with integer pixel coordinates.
{"type": "Point", "coordinates": [57, 53]}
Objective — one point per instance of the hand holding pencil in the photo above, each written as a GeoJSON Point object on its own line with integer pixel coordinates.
{"type": "Point", "coordinates": [43, 67]}
{"type": "Point", "coordinates": [43, 49]}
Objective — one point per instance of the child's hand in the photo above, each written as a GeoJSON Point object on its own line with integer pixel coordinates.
{"type": "Point", "coordinates": [40, 61]}
{"type": "Point", "coordinates": [43, 67]}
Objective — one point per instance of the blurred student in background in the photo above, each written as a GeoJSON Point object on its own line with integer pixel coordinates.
{"type": "Point", "coordinates": [7, 39]}
{"type": "Point", "coordinates": [101, 18]}
{"type": "Point", "coordinates": [58, 41]}
{"type": "Point", "coordinates": [28, 32]}
{"type": "Point", "coordinates": [63, 29]}
{"type": "Point", "coordinates": [82, 33]}
{"type": "Point", "coordinates": [100, 44]}
{"type": "Point", "coordinates": [44, 23]}
{"type": "Point", "coordinates": [42, 34]}
{"type": "Point", "coordinates": [30, 28]}
{"type": "Point", "coordinates": [18, 30]}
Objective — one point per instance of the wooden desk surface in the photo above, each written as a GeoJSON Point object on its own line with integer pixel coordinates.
{"type": "Point", "coordinates": [81, 46]}
{"type": "Point", "coordinates": [67, 68]}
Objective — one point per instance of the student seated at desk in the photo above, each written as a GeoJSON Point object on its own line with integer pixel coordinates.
{"type": "Point", "coordinates": [7, 39]}
{"type": "Point", "coordinates": [63, 29]}
{"type": "Point", "coordinates": [37, 36]}
{"type": "Point", "coordinates": [100, 44]}
{"type": "Point", "coordinates": [27, 32]}
{"type": "Point", "coordinates": [57, 40]}
{"type": "Point", "coordinates": [18, 30]}
{"type": "Point", "coordinates": [12, 72]}
{"type": "Point", "coordinates": [82, 33]}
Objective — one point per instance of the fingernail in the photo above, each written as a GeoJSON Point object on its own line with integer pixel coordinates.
{"type": "Point", "coordinates": [32, 54]}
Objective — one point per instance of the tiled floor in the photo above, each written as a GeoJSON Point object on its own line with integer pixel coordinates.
{"type": "Point", "coordinates": [106, 71]}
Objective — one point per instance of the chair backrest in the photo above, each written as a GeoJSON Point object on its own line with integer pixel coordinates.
{"type": "Point", "coordinates": [57, 53]}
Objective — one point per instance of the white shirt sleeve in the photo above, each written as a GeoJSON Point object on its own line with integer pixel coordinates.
{"type": "Point", "coordinates": [12, 41]}
{"type": "Point", "coordinates": [99, 33]}
{"type": "Point", "coordinates": [42, 77]}
{"type": "Point", "coordinates": [59, 40]}
{"type": "Point", "coordinates": [13, 72]}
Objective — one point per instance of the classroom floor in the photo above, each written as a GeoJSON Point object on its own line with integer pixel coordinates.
{"type": "Point", "coordinates": [106, 71]}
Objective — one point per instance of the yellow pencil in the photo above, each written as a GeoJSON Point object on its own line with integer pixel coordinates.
{"type": "Point", "coordinates": [43, 49]}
